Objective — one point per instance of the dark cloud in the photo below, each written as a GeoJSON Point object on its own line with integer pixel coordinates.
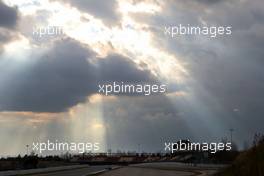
{"type": "Point", "coordinates": [61, 78]}
{"type": "Point", "coordinates": [8, 16]}
{"type": "Point", "coordinates": [104, 10]}
{"type": "Point", "coordinates": [6, 36]}
{"type": "Point", "coordinates": [210, 1]}
{"type": "Point", "coordinates": [108, 71]}
{"type": "Point", "coordinates": [8, 22]}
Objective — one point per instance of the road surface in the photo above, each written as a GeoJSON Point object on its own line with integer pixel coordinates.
{"type": "Point", "coordinates": [74, 172]}
{"type": "Point", "coordinates": [146, 169]}
{"type": "Point", "coordinates": [133, 171]}
{"type": "Point", "coordinates": [164, 169]}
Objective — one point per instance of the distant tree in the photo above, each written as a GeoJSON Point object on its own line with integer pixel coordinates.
{"type": "Point", "coordinates": [19, 157]}
{"type": "Point", "coordinates": [224, 140]}
{"type": "Point", "coordinates": [234, 146]}
{"type": "Point", "coordinates": [258, 139]}
{"type": "Point", "coordinates": [245, 145]}
{"type": "Point", "coordinates": [32, 153]}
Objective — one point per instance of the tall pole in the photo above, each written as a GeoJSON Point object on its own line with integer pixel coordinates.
{"type": "Point", "coordinates": [27, 148]}
{"type": "Point", "coordinates": [231, 135]}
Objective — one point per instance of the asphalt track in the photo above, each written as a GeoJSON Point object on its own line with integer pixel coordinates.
{"type": "Point", "coordinates": [149, 169]}
{"type": "Point", "coordinates": [163, 169]}
{"type": "Point", "coordinates": [74, 172]}
{"type": "Point", "coordinates": [133, 171]}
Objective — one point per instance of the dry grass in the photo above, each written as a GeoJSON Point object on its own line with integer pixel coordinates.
{"type": "Point", "coordinates": [248, 163]}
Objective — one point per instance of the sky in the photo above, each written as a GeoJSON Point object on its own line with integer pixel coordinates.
{"type": "Point", "coordinates": [49, 84]}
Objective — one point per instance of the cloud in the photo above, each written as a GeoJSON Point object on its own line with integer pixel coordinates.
{"type": "Point", "coordinates": [148, 121]}
{"type": "Point", "coordinates": [8, 22]}
{"type": "Point", "coordinates": [224, 88]}
{"type": "Point", "coordinates": [8, 16]}
{"type": "Point", "coordinates": [6, 36]}
{"type": "Point", "coordinates": [104, 10]}
{"type": "Point", "coordinates": [62, 77]}
{"type": "Point", "coordinates": [225, 72]}
{"type": "Point", "coordinates": [126, 71]}
{"type": "Point", "coordinates": [210, 1]}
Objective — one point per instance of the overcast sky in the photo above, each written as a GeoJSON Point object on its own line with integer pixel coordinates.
{"type": "Point", "coordinates": [49, 84]}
